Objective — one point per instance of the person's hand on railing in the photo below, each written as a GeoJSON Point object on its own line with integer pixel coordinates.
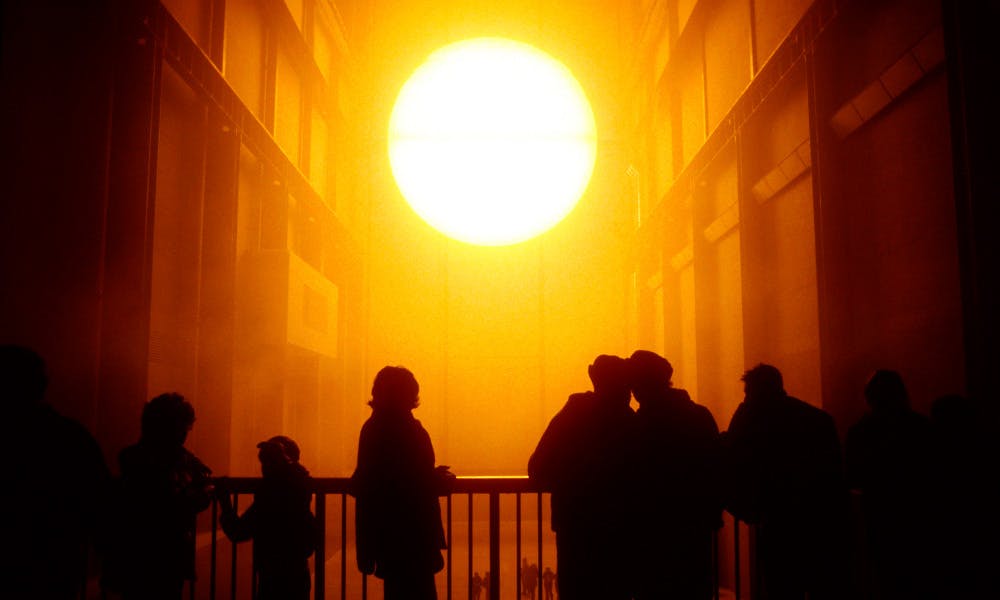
{"type": "Point", "coordinates": [444, 479]}
{"type": "Point", "coordinates": [366, 564]}
{"type": "Point", "coordinates": [222, 494]}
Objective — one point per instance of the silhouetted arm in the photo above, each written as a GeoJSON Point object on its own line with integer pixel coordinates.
{"type": "Point", "coordinates": [238, 528]}
{"type": "Point", "coordinates": [710, 471]}
{"type": "Point", "coordinates": [561, 451]}
{"type": "Point", "coordinates": [739, 470]}
{"type": "Point", "coordinates": [547, 462]}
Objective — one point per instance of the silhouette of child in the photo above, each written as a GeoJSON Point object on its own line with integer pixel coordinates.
{"type": "Point", "coordinates": [279, 522]}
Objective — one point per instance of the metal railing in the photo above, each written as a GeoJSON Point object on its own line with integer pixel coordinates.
{"type": "Point", "coordinates": [510, 502]}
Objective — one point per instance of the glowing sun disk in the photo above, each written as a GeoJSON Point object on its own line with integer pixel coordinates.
{"type": "Point", "coordinates": [492, 141]}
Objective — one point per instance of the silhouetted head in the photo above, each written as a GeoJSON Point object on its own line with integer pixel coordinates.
{"type": "Point", "coordinates": [885, 391]}
{"type": "Point", "coordinates": [649, 373]}
{"type": "Point", "coordinates": [610, 376]}
{"type": "Point", "coordinates": [763, 382]}
{"type": "Point", "coordinates": [22, 375]}
{"type": "Point", "coordinates": [167, 419]}
{"type": "Point", "coordinates": [395, 388]}
{"type": "Point", "coordinates": [277, 454]}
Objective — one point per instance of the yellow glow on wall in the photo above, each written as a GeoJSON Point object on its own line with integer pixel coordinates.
{"type": "Point", "coordinates": [492, 141]}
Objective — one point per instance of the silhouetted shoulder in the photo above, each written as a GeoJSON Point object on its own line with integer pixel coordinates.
{"type": "Point", "coordinates": [704, 418]}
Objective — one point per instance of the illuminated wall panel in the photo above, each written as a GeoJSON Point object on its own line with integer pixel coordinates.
{"type": "Point", "coordinates": [249, 358]}
{"type": "Point", "coordinates": [773, 20]}
{"type": "Point", "coordinates": [781, 303]}
{"type": "Point", "coordinates": [687, 370]}
{"type": "Point", "coordinates": [718, 278]}
{"type": "Point", "coordinates": [176, 240]}
{"type": "Point", "coordinates": [320, 163]}
{"type": "Point", "coordinates": [323, 51]}
{"type": "Point", "coordinates": [659, 339]}
{"type": "Point", "coordinates": [243, 64]}
{"type": "Point", "coordinates": [690, 88]}
{"type": "Point", "coordinates": [288, 108]}
{"type": "Point", "coordinates": [195, 16]}
{"type": "Point", "coordinates": [684, 9]}
{"type": "Point", "coordinates": [662, 154]}
{"type": "Point", "coordinates": [297, 9]}
{"type": "Point", "coordinates": [727, 57]}
{"type": "Point", "coordinates": [781, 313]}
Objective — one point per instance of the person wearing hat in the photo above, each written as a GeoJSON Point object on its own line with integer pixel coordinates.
{"type": "Point", "coordinates": [584, 460]}
{"type": "Point", "coordinates": [279, 522]}
{"type": "Point", "coordinates": [677, 504]}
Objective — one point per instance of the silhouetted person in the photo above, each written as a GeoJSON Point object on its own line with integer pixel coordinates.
{"type": "Point", "coordinates": [53, 486]}
{"type": "Point", "coordinates": [398, 517]}
{"type": "Point", "coordinates": [785, 476]}
{"type": "Point", "coordinates": [279, 522]}
{"type": "Point", "coordinates": [477, 585]}
{"type": "Point", "coordinates": [531, 580]}
{"type": "Point", "coordinates": [967, 447]}
{"type": "Point", "coordinates": [486, 585]}
{"type": "Point", "coordinates": [583, 459]}
{"type": "Point", "coordinates": [677, 503]}
{"type": "Point", "coordinates": [162, 488]}
{"type": "Point", "coordinates": [888, 463]}
{"type": "Point", "coordinates": [548, 579]}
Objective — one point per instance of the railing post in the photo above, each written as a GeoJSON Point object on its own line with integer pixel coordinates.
{"type": "Point", "coordinates": [469, 531]}
{"type": "Point", "coordinates": [319, 562]}
{"type": "Point", "coordinates": [517, 544]}
{"type": "Point", "coordinates": [448, 543]}
{"type": "Point", "coordinates": [494, 545]}
{"type": "Point", "coordinates": [736, 553]}
{"type": "Point", "coordinates": [234, 546]}
{"type": "Point", "coordinates": [215, 548]}
{"type": "Point", "coordinates": [343, 546]}
{"type": "Point", "coordinates": [541, 560]}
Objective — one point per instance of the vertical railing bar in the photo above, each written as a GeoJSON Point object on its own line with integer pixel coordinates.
{"type": "Point", "coordinates": [470, 544]}
{"type": "Point", "coordinates": [541, 562]}
{"type": "Point", "coordinates": [343, 547]}
{"type": "Point", "coordinates": [736, 554]}
{"type": "Point", "coordinates": [494, 545]}
{"type": "Point", "coordinates": [364, 586]}
{"type": "Point", "coordinates": [215, 547]}
{"type": "Point", "coordinates": [319, 562]}
{"type": "Point", "coordinates": [194, 553]}
{"type": "Point", "coordinates": [232, 566]}
{"type": "Point", "coordinates": [449, 544]}
{"type": "Point", "coordinates": [254, 580]}
{"type": "Point", "coordinates": [517, 541]}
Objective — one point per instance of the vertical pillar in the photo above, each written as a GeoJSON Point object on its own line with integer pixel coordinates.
{"type": "Point", "coordinates": [124, 345]}
{"type": "Point", "coordinates": [970, 44]}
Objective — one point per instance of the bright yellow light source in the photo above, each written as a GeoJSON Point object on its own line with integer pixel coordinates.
{"type": "Point", "coordinates": [492, 141]}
